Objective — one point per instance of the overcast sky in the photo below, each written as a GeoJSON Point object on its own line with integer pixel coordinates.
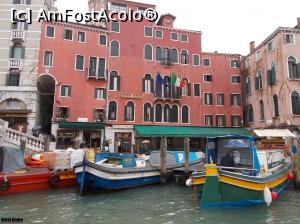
{"type": "Point", "coordinates": [228, 26]}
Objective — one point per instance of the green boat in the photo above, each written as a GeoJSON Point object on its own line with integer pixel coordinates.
{"type": "Point", "coordinates": [242, 171]}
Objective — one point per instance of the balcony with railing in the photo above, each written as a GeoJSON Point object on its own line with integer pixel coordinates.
{"type": "Point", "coordinates": [15, 63]}
{"type": "Point", "coordinates": [172, 94]}
{"type": "Point", "coordinates": [167, 62]}
{"type": "Point", "coordinates": [17, 34]}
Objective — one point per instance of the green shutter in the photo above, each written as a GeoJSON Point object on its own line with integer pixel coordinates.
{"type": "Point", "coordinates": [256, 83]}
{"type": "Point", "coordinates": [298, 70]}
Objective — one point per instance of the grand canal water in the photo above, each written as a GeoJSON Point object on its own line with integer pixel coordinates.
{"type": "Point", "coordinates": [154, 204]}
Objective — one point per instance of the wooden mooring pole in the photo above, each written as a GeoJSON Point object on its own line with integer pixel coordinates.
{"type": "Point", "coordinates": [163, 159]}
{"type": "Point", "coordinates": [187, 156]}
{"type": "Point", "coordinates": [296, 168]}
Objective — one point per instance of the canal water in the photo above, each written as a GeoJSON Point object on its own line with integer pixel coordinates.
{"type": "Point", "coordinates": [148, 205]}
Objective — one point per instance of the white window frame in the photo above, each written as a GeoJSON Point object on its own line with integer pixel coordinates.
{"type": "Point", "coordinates": [258, 55]}
{"type": "Point", "coordinates": [187, 38]}
{"type": "Point", "coordinates": [199, 61]}
{"type": "Point", "coordinates": [294, 38]}
{"type": "Point", "coordinates": [110, 49]}
{"type": "Point", "coordinates": [217, 120]}
{"type": "Point", "coordinates": [79, 31]}
{"type": "Point", "coordinates": [171, 36]}
{"type": "Point", "coordinates": [236, 94]}
{"type": "Point", "coordinates": [234, 83]}
{"type": "Point", "coordinates": [231, 63]}
{"type": "Point", "coordinates": [113, 30]}
{"type": "Point", "coordinates": [100, 88]}
{"type": "Point", "coordinates": [220, 105]}
{"type": "Point", "coordinates": [208, 60]}
{"type": "Point", "coordinates": [145, 31]}
{"type": "Point", "coordinates": [204, 78]}
{"type": "Point", "coordinates": [76, 62]}
{"type": "Point", "coordinates": [204, 99]}
{"type": "Point", "coordinates": [60, 90]}
{"type": "Point", "coordinates": [53, 32]}
{"type": "Point", "coordinates": [162, 34]}
{"type": "Point", "coordinates": [48, 66]}
{"type": "Point", "coordinates": [145, 52]}
{"type": "Point", "coordinates": [212, 120]}
{"type": "Point", "coordinates": [72, 34]}
{"type": "Point", "coordinates": [105, 41]}
{"type": "Point", "coordinates": [199, 89]}
{"type": "Point", "coordinates": [235, 115]}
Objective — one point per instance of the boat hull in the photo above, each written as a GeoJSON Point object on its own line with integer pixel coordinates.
{"type": "Point", "coordinates": [227, 189]}
{"type": "Point", "coordinates": [37, 179]}
{"type": "Point", "coordinates": [97, 178]}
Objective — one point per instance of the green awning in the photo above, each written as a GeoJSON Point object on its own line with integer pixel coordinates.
{"type": "Point", "coordinates": [182, 131]}
{"type": "Point", "coordinates": [81, 125]}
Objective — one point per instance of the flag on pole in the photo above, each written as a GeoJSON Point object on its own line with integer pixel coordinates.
{"type": "Point", "coordinates": [160, 79]}
{"type": "Point", "coordinates": [173, 78]}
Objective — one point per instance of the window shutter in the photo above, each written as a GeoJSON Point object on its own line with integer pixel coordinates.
{"type": "Point", "coordinates": [224, 121]}
{"type": "Point", "coordinates": [23, 52]}
{"type": "Point", "coordinates": [70, 89]}
{"type": "Point", "coordinates": [125, 113]}
{"type": "Point", "coordinates": [152, 85]}
{"type": "Point", "coordinates": [111, 82]}
{"type": "Point", "coordinates": [189, 89]}
{"type": "Point", "coordinates": [284, 39]}
{"type": "Point", "coordinates": [143, 84]}
{"type": "Point", "coordinates": [11, 50]}
{"type": "Point", "coordinates": [256, 83]}
{"type": "Point", "coordinates": [298, 70]}
{"type": "Point", "coordinates": [231, 99]}
{"type": "Point", "coordinates": [152, 114]}
{"type": "Point", "coordinates": [104, 93]}
{"type": "Point", "coordinates": [68, 112]}
{"type": "Point", "coordinates": [269, 74]}
{"type": "Point", "coordinates": [239, 100]}
{"type": "Point", "coordinates": [25, 26]}
{"type": "Point", "coordinates": [119, 84]}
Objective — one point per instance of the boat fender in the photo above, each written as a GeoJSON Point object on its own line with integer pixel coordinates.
{"type": "Point", "coordinates": [54, 180]}
{"type": "Point", "coordinates": [290, 176]}
{"type": "Point", "coordinates": [189, 182]}
{"type": "Point", "coordinates": [274, 195]}
{"type": "Point", "coordinates": [267, 196]}
{"type": "Point", "coordinates": [4, 184]}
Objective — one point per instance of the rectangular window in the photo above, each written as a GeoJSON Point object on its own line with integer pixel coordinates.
{"type": "Point", "coordinates": [159, 34]}
{"type": "Point", "coordinates": [206, 62]}
{"type": "Point", "coordinates": [184, 38]}
{"type": "Point", "coordinates": [65, 90]}
{"type": "Point", "coordinates": [93, 67]}
{"type": "Point", "coordinates": [68, 34]}
{"type": "Point", "coordinates": [100, 93]}
{"type": "Point", "coordinates": [289, 38]}
{"type": "Point", "coordinates": [220, 120]}
{"type": "Point", "coordinates": [208, 120]}
{"type": "Point", "coordinates": [207, 78]}
{"type": "Point", "coordinates": [13, 79]}
{"type": "Point", "coordinates": [208, 99]}
{"type": "Point", "coordinates": [236, 121]}
{"type": "Point", "coordinates": [235, 99]}
{"type": "Point", "coordinates": [234, 63]}
{"type": "Point", "coordinates": [115, 27]}
{"type": "Point", "coordinates": [103, 40]}
{"type": "Point", "coordinates": [247, 62]}
{"type": "Point", "coordinates": [79, 62]}
{"type": "Point", "coordinates": [197, 90]}
{"type": "Point", "coordinates": [220, 99]}
{"type": "Point", "coordinates": [50, 31]}
{"type": "Point", "coordinates": [258, 55]}
{"type": "Point", "coordinates": [22, 2]}
{"type": "Point", "coordinates": [196, 60]}
{"type": "Point", "coordinates": [81, 37]}
{"type": "Point", "coordinates": [97, 68]}
{"type": "Point", "coordinates": [63, 112]}
{"type": "Point", "coordinates": [117, 7]}
{"type": "Point", "coordinates": [101, 68]}
{"type": "Point", "coordinates": [270, 46]}
{"type": "Point", "coordinates": [48, 58]}
{"type": "Point", "coordinates": [174, 36]}
{"type": "Point", "coordinates": [148, 32]}
{"type": "Point", "coordinates": [235, 79]}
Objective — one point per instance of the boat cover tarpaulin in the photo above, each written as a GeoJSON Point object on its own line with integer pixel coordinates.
{"type": "Point", "coordinates": [284, 133]}
{"type": "Point", "coordinates": [11, 159]}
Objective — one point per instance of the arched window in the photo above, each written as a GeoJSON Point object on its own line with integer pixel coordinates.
{"type": "Point", "coordinates": [185, 89]}
{"type": "Point", "coordinates": [174, 114]}
{"type": "Point", "coordinates": [148, 52]}
{"type": "Point", "coordinates": [114, 81]}
{"type": "Point", "coordinates": [158, 88]}
{"type": "Point", "coordinates": [295, 103]}
{"type": "Point", "coordinates": [184, 57]}
{"type": "Point", "coordinates": [275, 106]}
{"type": "Point", "coordinates": [174, 55]}
{"type": "Point", "coordinates": [148, 112]}
{"type": "Point", "coordinates": [129, 111]}
{"type": "Point", "coordinates": [249, 114]}
{"type": "Point", "coordinates": [159, 53]}
{"type": "Point", "coordinates": [272, 74]}
{"type": "Point", "coordinates": [167, 112]}
{"type": "Point", "coordinates": [262, 110]}
{"type": "Point", "coordinates": [167, 87]}
{"type": "Point", "coordinates": [185, 115]}
{"type": "Point", "coordinates": [148, 84]}
{"type": "Point", "coordinates": [17, 51]}
{"type": "Point", "coordinates": [293, 73]}
{"type": "Point", "coordinates": [258, 80]}
{"type": "Point", "coordinates": [166, 54]}
{"type": "Point", "coordinates": [114, 48]}
{"type": "Point", "coordinates": [158, 113]}
{"type": "Point", "coordinates": [112, 111]}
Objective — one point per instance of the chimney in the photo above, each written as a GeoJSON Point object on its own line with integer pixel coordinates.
{"type": "Point", "coordinates": [298, 23]}
{"type": "Point", "coordinates": [252, 46]}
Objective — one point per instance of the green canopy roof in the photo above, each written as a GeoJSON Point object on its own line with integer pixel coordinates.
{"type": "Point", "coordinates": [81, 125]}
{"type": "Point", "coordinates": [182, 131]}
